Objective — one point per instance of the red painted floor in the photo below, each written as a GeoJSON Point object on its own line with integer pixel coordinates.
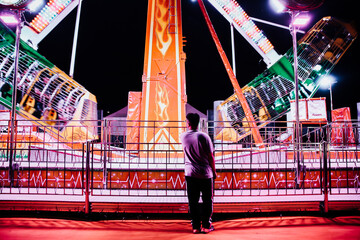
{"type": "Point", "coordinates": [304, 228]}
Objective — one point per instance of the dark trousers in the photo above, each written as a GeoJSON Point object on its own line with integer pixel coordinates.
{"type": "Point", "coordinates": [194, 187]}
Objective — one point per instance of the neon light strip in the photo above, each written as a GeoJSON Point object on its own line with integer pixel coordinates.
{"type": "Point", "coordinates": [239, 17]}
{"type": "Point", "coordinates": [52, 9]}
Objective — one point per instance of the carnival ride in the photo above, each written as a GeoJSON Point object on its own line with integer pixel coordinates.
{"type": "Point", "coordinates": [46, 95]}
{"type": "Point", "coordinates": [44, 91]}
{"type": "Point", "coordinates": [269, 94]}
{"type": "Point", "coordinates": [147, 165]}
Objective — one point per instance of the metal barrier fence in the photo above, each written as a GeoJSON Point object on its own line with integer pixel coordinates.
{"type": "Point", "coordinates": [325, 167]}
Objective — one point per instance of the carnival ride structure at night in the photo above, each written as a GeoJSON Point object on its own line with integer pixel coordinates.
{"type": "Point", "coordinates": [56, 154]}
{"type": "Point", "coordinates": [46, 95]}
{"type": "Point", "coordinates": [270, 93]}
{"type": "Point", "coordinates": [44, 91]}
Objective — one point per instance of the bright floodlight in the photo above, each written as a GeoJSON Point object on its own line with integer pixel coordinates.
{"type": "Point", "coordinates": [9, 2]}
{"type": "Point", "coordinates": [9, 19]}
{"type": "Point", "coordinates": [301, 20]}
{"type": "Point", "coordinates": [14, 3]}
{"type": "Point", "coordinates": [32, 5]}
{"type": "Point", "coordinates": [327, 81]}
{"type": "Point", "coordinates": [277, 6]}
{"type": "Point", "coordinates": [35, 5]}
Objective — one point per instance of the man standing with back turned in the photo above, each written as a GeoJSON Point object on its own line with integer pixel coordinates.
{"type": "Point", "coordinates": [199, 173]}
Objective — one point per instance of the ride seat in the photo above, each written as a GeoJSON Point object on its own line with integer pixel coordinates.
{"type": "Point", "coordinates": [29, 105]}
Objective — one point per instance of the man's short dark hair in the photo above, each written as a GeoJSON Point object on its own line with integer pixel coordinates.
{"type": "Point", "coordinates": [193, 119]}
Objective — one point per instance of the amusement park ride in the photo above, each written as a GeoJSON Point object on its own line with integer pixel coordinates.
{"type": "Point", "coordinates": [47, 93]}
{"type": "Point", "coordinates": [65, 110]}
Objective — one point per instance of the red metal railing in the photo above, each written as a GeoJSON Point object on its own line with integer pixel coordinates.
{"type": "Point", "coordinates": [106, 171]}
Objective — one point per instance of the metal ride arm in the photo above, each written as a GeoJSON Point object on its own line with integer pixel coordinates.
{"type": "Point", "coordinates": [46, 20]}
{"type": "Point", "coordinates": [249, 116]}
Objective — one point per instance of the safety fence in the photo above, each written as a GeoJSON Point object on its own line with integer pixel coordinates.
{"type": "Point", "coordinates": [324, 167]}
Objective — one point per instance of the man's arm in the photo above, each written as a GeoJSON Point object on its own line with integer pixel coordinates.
{"type": "Point", "coordinates": [212, 163]}
{"type": "Point", "coordinates": [208, 149]}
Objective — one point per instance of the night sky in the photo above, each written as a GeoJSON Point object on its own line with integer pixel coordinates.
{"type": "Point", "coordinates": [111, 46]}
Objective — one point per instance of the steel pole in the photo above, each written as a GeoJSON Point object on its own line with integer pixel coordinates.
{"type": "Point", "coordinates": [331, 98]}
{"type": "Point", "coordinates": [325, 177]}
{"type": "Point", "coordinates": [233, 48]}
{"type": "Point", "coordinates": [296, 81]}
{"type": "Point", "coordinates": [275, 24]}
{"type": "Point", "coordinates": [87, 179]}
{"type": "Point", "coordinates": [12, 153]}
{"type": "Point", "coordinates": [76, 35]}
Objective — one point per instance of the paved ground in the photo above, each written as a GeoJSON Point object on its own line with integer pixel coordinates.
{"type": "Point", "coordinates": [304, 228]}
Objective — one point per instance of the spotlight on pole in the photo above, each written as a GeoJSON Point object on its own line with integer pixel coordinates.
{"type": "Point", "coordinates": [9, 18]}
{"type": "Point", "coordinates": [296, 8]}
{"type": "Point", "coordinates": [277, 6]}
{"type": "Point", "coordinates": [327, 81]}
{"type": "Point", "coordinates": [35, 5]}
{"type": "Point", "coordinates": [17, 7]}
{"type": "Point", "coordinates": [13, 3]}
{"type": "Point", "coordinates": [30, 5]}
{"type": "Point", "coordinates": [301, 20]}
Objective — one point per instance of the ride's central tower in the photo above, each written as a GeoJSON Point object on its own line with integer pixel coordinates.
{"type": "Point", "coordinates": [163, 95]}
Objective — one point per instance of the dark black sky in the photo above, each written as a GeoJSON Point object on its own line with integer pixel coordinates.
{"type": "Point", "coordinates": [112, 40]}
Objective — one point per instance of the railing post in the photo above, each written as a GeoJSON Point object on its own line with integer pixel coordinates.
{"type": "Point", "coordinates": [11, 150]}
{"type": "Point", "coordinates": [87, 179]}
{"type": "Point", "coordinates": [325, 179]}
{"type": "Point", "coordinates": [106, 145]}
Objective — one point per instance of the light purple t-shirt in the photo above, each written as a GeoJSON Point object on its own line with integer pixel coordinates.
{"type": "Point", "coordinates": [197, 146]}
